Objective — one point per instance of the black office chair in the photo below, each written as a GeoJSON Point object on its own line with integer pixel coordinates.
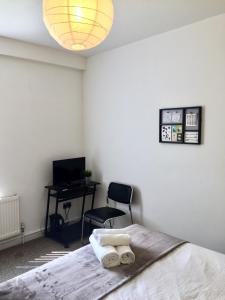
{"type": "Point", "coordinates": [117, 192]}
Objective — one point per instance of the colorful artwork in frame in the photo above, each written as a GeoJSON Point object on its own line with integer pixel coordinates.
{"type": "Point", "coordinates": [180, 125]}
{"type": "Point", "coordinates": [177, 132]}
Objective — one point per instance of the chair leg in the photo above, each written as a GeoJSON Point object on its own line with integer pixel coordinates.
{"type": "Point", "coordinates": [82, 230]}
{"type": "Point", "coordinates": [105, 224]}
{"type": "Point", "coordinates": [110, 223]}
{"type": "Point", "coordinates": [131, 216]}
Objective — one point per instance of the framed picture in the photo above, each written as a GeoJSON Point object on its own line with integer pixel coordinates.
{"type": "Point", "coordinates": [192, 119]}
{"type": "Point", "coordinates": [191, 137]}
{"type": "Point", "coordinates": [166, 133]}
{"type": "Point", "coordinates": [177, 132]}
{"type": "Point", "coordinates": [180, 125]}
{"type": "Point", "coordinates": [172, 116]}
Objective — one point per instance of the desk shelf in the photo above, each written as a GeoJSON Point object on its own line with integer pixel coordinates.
{"type": "Point", "coordinates": [70, 195]}
{"type": "Point", "coordinates": [72, 231]}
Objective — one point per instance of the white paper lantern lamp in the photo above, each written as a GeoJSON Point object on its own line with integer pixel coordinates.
{"type": "Point", "coordinates": [78, 24]}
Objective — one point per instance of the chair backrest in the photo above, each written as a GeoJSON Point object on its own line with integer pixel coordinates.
{"type": "Point", "coordinates": [120, 192]}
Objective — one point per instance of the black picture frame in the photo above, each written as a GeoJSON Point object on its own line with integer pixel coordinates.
{"type": "Point", "coordinates": [180, 125]}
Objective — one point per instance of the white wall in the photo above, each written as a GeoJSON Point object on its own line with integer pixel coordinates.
{"type": "Point", "coordinates": [40, 120]}
{"type": "Point", "coordinates": [180, 189]}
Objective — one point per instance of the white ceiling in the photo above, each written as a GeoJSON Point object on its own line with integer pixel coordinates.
{"type": "Point", "coordinates": [134, 20]}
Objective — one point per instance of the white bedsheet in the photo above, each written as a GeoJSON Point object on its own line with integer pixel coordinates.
{"type": "Point", "coordinates": [189, 272]}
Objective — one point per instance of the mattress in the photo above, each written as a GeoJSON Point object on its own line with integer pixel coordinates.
{"type": "Point", "coordinates": [189, 272]}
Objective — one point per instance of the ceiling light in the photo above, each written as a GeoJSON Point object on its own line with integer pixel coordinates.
{"type": "Point", "coordinates": [78, 24]}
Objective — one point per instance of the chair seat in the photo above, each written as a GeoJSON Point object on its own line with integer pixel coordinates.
{"type": "Point", "coordinates": [103, 213]}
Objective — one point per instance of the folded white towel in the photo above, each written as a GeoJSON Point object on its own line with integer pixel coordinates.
{"type": "Point", "coordinates": [108, 231]}
{"type": "Point", "coordinates": [126, 255]}
{"type": "Point", "coordinates": [122, 239]}
{"type": "Point", "coordinates": [107, 255]}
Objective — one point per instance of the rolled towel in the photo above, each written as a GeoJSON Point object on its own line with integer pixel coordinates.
{"type": "Point", "coordinates": [107, 255]}
{"type": "Point", "coordinates": [126, 255]}
{"type": "Point", "coordinates": [113, 239]}
{"type": "Point", "coordinates": [108, 231]}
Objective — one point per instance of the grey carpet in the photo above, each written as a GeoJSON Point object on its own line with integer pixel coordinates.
{"type": "Point", "coordinates": [20, 259]}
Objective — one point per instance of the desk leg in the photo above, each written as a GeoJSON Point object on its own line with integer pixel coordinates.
{"type": "Point", "coordinates": [56, 205]}
{"type": "Point", "coordinates": [93, 197]}
{"type": "Point", "coordinates": [47, 212]}
{"type": "Point", "coordinates": [83, 204]}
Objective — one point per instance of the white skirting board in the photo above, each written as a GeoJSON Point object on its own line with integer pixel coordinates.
{"type": "Point", "coordinates": [27, 237]}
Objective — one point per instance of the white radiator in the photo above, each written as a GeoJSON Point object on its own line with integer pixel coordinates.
{"type": "Point", "coordinates": [9, 217]}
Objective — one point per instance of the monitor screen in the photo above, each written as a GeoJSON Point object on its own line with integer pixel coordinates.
{"type": "Point", "coordinates": [68, 171]}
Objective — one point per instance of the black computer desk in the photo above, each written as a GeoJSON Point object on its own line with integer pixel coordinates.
{"type": "Point", "coordinates": [71, 231]}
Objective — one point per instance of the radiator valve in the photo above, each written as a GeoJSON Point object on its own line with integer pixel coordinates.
{"type": "Point", "coordinates": [22, 227]}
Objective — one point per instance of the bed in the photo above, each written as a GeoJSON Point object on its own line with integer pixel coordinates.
{"type": "Point", "coordinates": [165, 268]}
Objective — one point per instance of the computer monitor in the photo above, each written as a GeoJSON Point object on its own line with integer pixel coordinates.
{"type": "Point", "coordinates": [68, 171]}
